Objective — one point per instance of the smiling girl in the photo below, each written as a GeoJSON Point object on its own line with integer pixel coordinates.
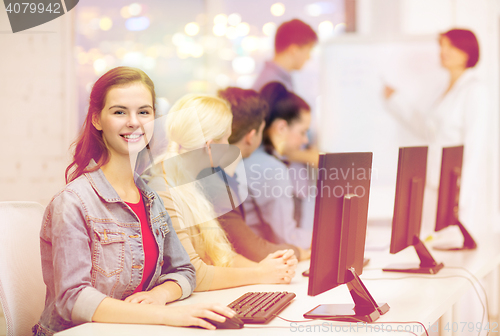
{"type": "Point", "coordinates": [109, 252]}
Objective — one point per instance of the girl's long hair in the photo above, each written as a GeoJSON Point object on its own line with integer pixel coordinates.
{"type": "Point", "coordinates": [192, 121]}
{"type": "Point", "coordinates": [283, 104]}
{"type": "Point", "coordinates": [90, 143]}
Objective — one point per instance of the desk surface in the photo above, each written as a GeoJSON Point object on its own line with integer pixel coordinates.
{"type": "Point", "coordinates": [423, 298]}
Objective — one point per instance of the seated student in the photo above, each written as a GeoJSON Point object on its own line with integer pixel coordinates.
{"type": "Point", "coordinates": [107, 243]}
{"type": "Point", "coordinates": [193, 124]}
{"type": "Point", "coordinates": [271, 199]}
{"type": "Point", "coordinates": [249, 111]}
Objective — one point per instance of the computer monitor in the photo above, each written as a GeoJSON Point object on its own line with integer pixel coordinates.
{"type": "Point", "coordinates": [449, 194]}
{"type": "Point", "coordinates": [339, 233]}
{"type": "Point", "coordinates": [410, 184]}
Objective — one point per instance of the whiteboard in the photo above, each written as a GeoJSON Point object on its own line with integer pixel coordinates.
{"type": "Point", "coordinates": [352, 113]}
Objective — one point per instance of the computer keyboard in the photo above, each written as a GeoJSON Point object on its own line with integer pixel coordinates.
{"type": "Point", "coordinates": [260, 307]}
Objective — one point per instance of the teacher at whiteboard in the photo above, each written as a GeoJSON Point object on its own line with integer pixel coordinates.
{"type": "Point", "coordinates": [458, 116]}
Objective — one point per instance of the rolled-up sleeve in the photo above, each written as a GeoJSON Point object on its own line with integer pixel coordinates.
{"type": "Point", "coordinates": [86, 305]}
{"type": "Point", "coordinates": [66, 259]}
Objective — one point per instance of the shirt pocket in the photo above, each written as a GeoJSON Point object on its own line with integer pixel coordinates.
{"type": "Point", "coordinates": [162, 221]}
{"type": "Point", "coordinates": [109, 250]}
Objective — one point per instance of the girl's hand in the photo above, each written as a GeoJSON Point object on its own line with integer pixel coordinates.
{"type": "Point", "coordinates": [192, 315]}
{"type": "Point", "coordinates": [304, 254]}
{"type": "Point", "coordinates": [148, 297]}
{"type": "Point", "coordinates": [388, 92]}
{"type": "Point", "coordinates": [278, 267]}
{"type": "Point", "coordinates": [159, 295]}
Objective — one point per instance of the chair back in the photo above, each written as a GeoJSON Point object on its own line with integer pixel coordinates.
{"type": "Point", "coordinates": [22, 290]}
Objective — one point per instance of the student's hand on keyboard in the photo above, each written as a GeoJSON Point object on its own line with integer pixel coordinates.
{"type": "Point", "coordinates": [192, 315]}
{"type": "Point", "coordinates": [278, 267]}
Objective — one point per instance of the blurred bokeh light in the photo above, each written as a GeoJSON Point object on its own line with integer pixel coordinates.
{"type": "Point", "coordinates": [185, 47]}
{"type": "Point", "coordinates": [278, 9]}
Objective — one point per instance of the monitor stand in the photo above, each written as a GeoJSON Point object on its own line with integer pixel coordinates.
{"type": "Point", "coordinates": [469, 242]}
{"type": "Point", "coordinates": [364, 308]}
{"type": "Point", "coordinates": [428, 265]}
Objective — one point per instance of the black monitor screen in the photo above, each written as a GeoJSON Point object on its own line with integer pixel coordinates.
{"type": "Point", "coordinates": [410, 183]}
{"type": "Point", "coordinates": [336, 249]}
{"type": "Point", "coordinates": [449, 186]}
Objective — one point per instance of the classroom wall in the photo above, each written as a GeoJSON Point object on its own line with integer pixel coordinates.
{"type": "Point", "coordinates": [39, 131]}
{"type": "Point", "coordinates": [37, 92]}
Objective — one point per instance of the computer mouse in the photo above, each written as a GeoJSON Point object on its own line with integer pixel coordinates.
{"type": "Point", "coordinates": [230, 323]}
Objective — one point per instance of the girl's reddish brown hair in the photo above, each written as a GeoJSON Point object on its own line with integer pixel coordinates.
{"type": "Point", "coordinates": [90, 144]}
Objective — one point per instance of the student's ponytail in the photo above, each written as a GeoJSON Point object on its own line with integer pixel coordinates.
{"type": "Point", "coordinates": [283, 104]}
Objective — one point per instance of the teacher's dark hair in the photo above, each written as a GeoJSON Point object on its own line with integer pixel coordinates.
{"type": "Point", "coordinates": [466, 41]}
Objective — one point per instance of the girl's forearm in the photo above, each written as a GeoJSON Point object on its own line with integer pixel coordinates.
{"type": "Point", "coordinates": [169, 290]}
{"type": "Point", "coordinates": [241, 261]}
{"type": "Point", "coordinates": [226, 277]}
{"type": "Point", "coordinates": [116, 311]}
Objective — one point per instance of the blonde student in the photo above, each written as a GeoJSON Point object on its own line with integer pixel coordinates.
{"type": "Point", "coordinates": [109, 252]}
{"type": "Point", "coordinates": [193, 125]}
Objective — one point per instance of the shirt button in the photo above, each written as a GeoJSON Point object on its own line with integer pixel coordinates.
{"type": "Point", "coordinates": [157, 232]}
{"type": "Point", "coordinates": [137, 266]}
{"type": "Point", "coordinates": [161, 263]}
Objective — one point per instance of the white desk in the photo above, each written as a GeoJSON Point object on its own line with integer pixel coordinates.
{"type": "Point", "coordinates": [412, 299]}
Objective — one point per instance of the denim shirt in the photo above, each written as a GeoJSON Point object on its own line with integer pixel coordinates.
{"type": "Point", "coordinates": [91, 248]}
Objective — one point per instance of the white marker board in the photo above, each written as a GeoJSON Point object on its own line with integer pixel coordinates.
{"type": "Point", "coordinates": [352, 114]}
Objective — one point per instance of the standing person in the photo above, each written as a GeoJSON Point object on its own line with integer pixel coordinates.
{"type": "Point", "coordinates": [293, 43]}
{"type": "Point", "coordinates": [458, 116]}
{"type": "Point", "coordinates": [271, 199]}
{"type": "Point", "coordinates": [106, 242]}
{"type": "Point", "coordinates": [249, 111]}
{"type": "Point", "coordinates": [194, 124]}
